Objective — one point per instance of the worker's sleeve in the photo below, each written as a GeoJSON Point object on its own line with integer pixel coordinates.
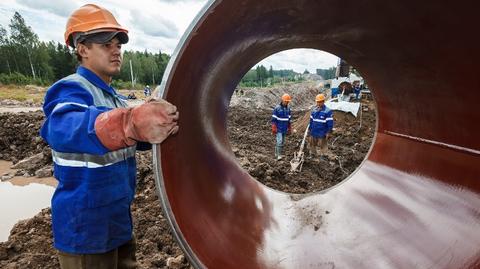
{"type": "Point", "coordinates": [289, 121]}
{"type": "Point", "coordinates": [329, 120]}
{"type": "Point", "coordinates": [70, 119]}
{"type": "Point", "coordinates": [289, 117]}
{"type": "Point", "coordinates": [310, 122]}
{"type": "Point", "coordinates": [274, 116]}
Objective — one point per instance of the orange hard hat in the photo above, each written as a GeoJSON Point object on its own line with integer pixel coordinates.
{"type": "Point", "coordinates": [286, 97]}
{"type": "Point", "coordinates": [320, 97]}
{"type": "Point", "coordinates": [91, 19]}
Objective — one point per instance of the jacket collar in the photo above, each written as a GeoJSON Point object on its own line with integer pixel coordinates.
{"type": "Point", "coordinates": [320, 108]}
{"type": "Point", "coordinates": [95, 80]}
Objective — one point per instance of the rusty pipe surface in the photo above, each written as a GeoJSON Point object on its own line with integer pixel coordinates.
{"type": "Point", "coordinates": [413, 203]}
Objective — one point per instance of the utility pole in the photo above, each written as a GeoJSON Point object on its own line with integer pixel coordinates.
{"type": "Point", "coordinates": [153, 78]}
{"type": "Point", "coordinates": [343, 69]}
{"type": "Point", "coordinates": [8, 65]}
{"type": "Point", "coordinates": [131, 74]}
{"type": "Point", "coordinates": [31, 65]}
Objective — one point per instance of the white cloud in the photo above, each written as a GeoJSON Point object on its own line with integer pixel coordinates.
{"type": "Point", "coordinates": [58, 7]}
{"type": "Point", "coordinates": [300, 59]}
{"type": "Point", "coordinates": [153, 25]}
{"type": "Point", "coordinates": [47, 26]}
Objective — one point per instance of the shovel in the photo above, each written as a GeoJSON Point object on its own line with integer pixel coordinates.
{"type": "Point", "coordinates": [298, 157]}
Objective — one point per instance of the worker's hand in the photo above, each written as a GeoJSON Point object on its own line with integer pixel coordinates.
{"type": "Point", "coordinates": [153, 122]}
{"type": "Point", "coordinates": [274, 129]}
{"type": "Point", "coordinates": [150, 122]}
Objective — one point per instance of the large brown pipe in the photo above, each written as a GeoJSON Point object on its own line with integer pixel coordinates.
{"type": "Point", "coordinates": [413, 203]}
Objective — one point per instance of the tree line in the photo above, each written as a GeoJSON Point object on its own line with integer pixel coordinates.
{"type": "Point", "coordinates": [261, 77]}
{"type": "Point", "coordinates": [327, 73]}
{"type": "Point", "coordinates": [24, 59]}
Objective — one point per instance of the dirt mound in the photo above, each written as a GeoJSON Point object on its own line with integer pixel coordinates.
{"type": "Point", "coordinates": [19, 135]}
{"type": "Point", "coordinates": [30, 244]}
{"type": "Point", "coordinates": [253, 145]}
{"type": "Point", "coordinates": [303, 96]}
{"type": "Point", "coordinates": [20, 139]}
{"type": "Point", "coordinates": [156, 245]}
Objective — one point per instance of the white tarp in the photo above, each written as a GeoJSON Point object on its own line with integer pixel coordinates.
{"type": "Point", "coordinates": [344, 106]}
{"type": "Point", "coordinates": [334, 83]}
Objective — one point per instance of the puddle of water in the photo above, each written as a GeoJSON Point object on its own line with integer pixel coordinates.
{"type": "Point", "coordinates": [21, 202]}
{"type": "Point", "coordinates": [22, 198]}
{"type": "Point", "coordinates": [24, 181]}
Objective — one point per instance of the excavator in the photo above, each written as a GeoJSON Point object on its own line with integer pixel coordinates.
{"type": "Point", "coordinates": [414, 202]}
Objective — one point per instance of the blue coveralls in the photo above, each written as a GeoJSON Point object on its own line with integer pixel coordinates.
{"type": "Point", "coordinates": [147, 91]}
{"type": "Point", "coordinates": [321, 121]}
{"type": "Point", "coordinates": [281, 118]}
{"type": "Point", "coordinates": [335, 92]}
{"type": "Point", "coordinates": [357, 90]}
{"type": "Point", "coordinates": [91, 204]}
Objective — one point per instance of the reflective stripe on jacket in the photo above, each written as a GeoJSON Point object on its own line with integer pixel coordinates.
{"type": "Point", "coordinates": [281, 117]}
{"type": "Point", "coordinates": [91, 205]}
{"type": "Point", "coordinates": [321, 121]}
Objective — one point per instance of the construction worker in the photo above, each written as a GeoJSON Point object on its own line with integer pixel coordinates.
{"type": "Point", "coordinates": [321, 125]}
{"type": "Point", "coordinates": [146, 91]}
{"type": "Point", "coordinates": [281, 124]}
{"type": "Point", "coordinates": [94, 136]}
{"type": "Point", "coordinates": [356, 89]}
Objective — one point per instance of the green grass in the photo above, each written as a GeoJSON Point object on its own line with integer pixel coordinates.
{"type": "Point", "coordinates": [21, 93]}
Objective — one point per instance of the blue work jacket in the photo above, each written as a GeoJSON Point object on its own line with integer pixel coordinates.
{"type": "Point", "coordinates": [281, 118]}
{"type": "Point", "coordinates": [335, 92]}
{"type": "Point", "coordinates": [91, 204]}
{"type": "Point", "coordinates": [356, 90]}
{"type": "Point", "coordinates": [321, 121]}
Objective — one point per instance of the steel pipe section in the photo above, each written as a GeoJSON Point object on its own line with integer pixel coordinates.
{"type": "Point", "coordinates": [413, 203]}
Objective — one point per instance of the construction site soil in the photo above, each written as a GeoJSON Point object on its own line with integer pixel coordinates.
{"type": "Point", "coordinates": [30, 242]}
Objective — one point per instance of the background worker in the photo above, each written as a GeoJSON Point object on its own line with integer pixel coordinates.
{"type": "Point", "coordinates": [356, 89]}
{"type": "Point", "coordinates": [321, 125]}
{"type": "Point", "coordinates": [281, 124]}
{"type": "Point", "coordinates": [132, 96]}
{"type": "Point", "coordinates": [147, 91]}
{"type": "Point", "coordinates": [94, 136]}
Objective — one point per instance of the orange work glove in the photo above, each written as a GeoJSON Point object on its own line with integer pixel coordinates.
{"type": "Point", "coordinates": [150, 122]}
{"type": "Point", "coordinates": [274, 129]}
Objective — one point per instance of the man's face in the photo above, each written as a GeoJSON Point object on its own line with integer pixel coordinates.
{"type": "Point", "coordinates": [285, 103]}
{"type": "Point", "coordinates": [104, 60]}
{"type": "Point", "coordinates": [320, 103]}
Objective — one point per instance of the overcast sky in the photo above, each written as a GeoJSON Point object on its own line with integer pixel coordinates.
{"type": "Point", "coordinates": [153, 25]}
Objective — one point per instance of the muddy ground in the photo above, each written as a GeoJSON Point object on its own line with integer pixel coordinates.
{"type": "Point", "coordinates": [30, 241]}
{"type": "Point", "coordinates": [253, 145]}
